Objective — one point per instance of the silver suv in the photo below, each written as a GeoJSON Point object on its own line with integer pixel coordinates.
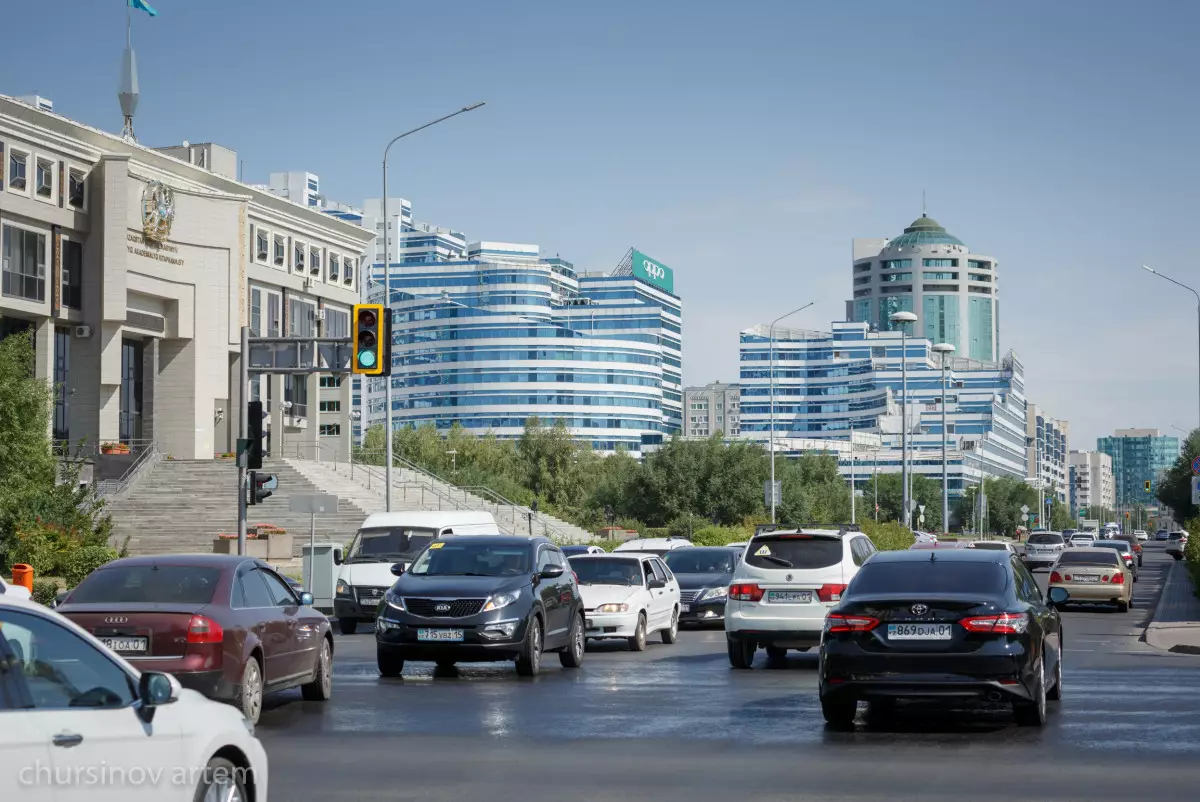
{"type": "Point", "coordinates": [1042, 549]}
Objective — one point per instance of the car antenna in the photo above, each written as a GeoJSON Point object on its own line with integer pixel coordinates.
{"type": "Point", "coordinates": [932, 556]}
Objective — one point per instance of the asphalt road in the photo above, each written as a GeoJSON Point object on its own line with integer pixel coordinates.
{"type": "Point", "coordinates": [676, 723]}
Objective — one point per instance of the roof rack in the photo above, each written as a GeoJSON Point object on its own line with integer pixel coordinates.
{"type": "Point", "coordinates": [842, 529]}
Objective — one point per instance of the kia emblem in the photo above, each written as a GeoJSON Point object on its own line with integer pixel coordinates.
{"type": "Point", "coordinates": [116, 619]}
{"type": "Point", "coordinates": [919, 609]}
{"type": "Point", "coordinates": [442, 608]}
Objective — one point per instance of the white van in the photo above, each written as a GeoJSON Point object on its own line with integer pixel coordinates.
{"type": "Point", "coordinates": [388, 538]}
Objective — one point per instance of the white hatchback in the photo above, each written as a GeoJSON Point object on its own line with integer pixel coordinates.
{"type": "Point", "coordinates": [627, 596]}
{"type": "Point", "coordinates": [76, 720]}
{"type": "Point", "coordinates": [785, 585]}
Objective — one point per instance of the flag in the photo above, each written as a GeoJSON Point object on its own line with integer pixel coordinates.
{"type": "Point", "coordinates": [142, 5]}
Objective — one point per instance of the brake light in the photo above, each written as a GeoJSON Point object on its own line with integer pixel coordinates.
{"type": "Point", "coordinates": [1055, 576]}
{"type": "Point", "coordinates": [1004, 623]}
{"type": "Point", "coordinates": [836, 622]}
{"type": "Point", "coordinates": [830, 593]}
{"type": "Point", "coordinates": [1104, 578]}
{"type": "Point", "coordinates": [741, 592]}
{"type": "Point", "coordinates": [204, 630]}
{"type": "Point", "coordinates": [1118, 579]}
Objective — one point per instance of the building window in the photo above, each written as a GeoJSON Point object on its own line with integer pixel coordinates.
{"type": "Point", "coordinates": [891, 264]}
{"type": "Point", "coordinates": [302, 318]}
{"type": "Point", "coordinates": [262, 243]}
{"type": "Point", "coordinates": [979, 264]}
{"type": "Point", "coordinates": [979, 277]}
{"type": "Point", "coordinates": [931, 275]}
{"type": "Point", "coordinates": [980, 326]}
{"type": "Point", "coordinates": [940, 262]}
{"type": "Point", "coordinates": [44, 187]}
{"type": "Point", "coordinates": [280, 250]}
{"type": "Point", "coordinates": [331, 429]}
{"type": "Point", "coordinates": [295, 392]}
{"type": "Point", "coordinates": [76, 188]}
{"type": "Point", "coordinates": [331, 381]}
{"type": "Point", "coordinates": [862, 310]}
{"type": "Point", "coordinates": [333, 267]}
{"type": "Point", "coordinates": [314, 261]}
{"type": "Point", "coordinates": [24, 266]}
{"type": "Point", "coordinates": [890, 305]}
{"type": "Point", "coordinates": [17, 164]}
{"type": "Point", "coordinates": [298, 251]}
{"type": "Point", "coordinates": [981, 290]}
{"type": "Point", "coordinates": [274, 315]}
{"type": "Point", "coordinates": [862, 280]}
{"type": "Point", "coordinates": [72, 274]}
{"type": "Point", "coordinates": [256, 309]}
{"type": "Point", "coordinates": [862, 293]}
{"type": "Point", "coordinates": [348, 272]}
{"type": "Point", "coordinates": [862, 267]}
{"type": "Point", "coordinates": [62, 365]}
{"type": "Point", "coordinates": [331, 406]}
{"type": "Point", "coordinates": [337, 323]}
{"type": "Point", "coordinates": [940, 314]}
{"type": "Point", "coordinates": [130, 418]}
{"type": "Point", "coordinates": [890, 277]}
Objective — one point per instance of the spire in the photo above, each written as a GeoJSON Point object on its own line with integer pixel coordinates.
{"type": "Point", "coordinates": [923, 214]}
{"type": "Point", "coordinates": [128, 92]}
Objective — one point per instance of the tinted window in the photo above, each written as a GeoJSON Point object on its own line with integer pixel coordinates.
{"type": "Point", "coordinates": [686, 561]}
{"type": "Point", "coordinates": [1027, 587]}
{"type": "Point", "coordinates": [1119, 545]}
{"type": "Point", "coordinates": [450, 558]}
{"type": "Point", "coordinates": [1045, 540]}
{"type": "Point", "coordinates": [990, 546]}
{"type": "Point", "coordinates": [794, 551]}
{"type": "Point", "coordinates": [570, 551]}
{"type": "Point", "coordinates": [607, 571]}
{"type": "Point", "coordinates": [659, 571]}
{"type": "Point", "coordinates": [1089, 558]}
{"type": "Point", "coordinates": [930, 576]}
{"type": "Point", "coordinates": [281, 594]}
{"type": "Point", "coordinates": [169, 584]}
{"type": "Point", "coordinates": [254, 590]}
{"type": "Point", "coordinates": [384, 542]}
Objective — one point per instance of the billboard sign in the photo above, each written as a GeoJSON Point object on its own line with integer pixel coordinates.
{"type": "Point", "coordinates": [655, 273]}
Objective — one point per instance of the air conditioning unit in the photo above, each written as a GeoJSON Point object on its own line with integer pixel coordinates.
{"type": "Point", "coordinates": [320, 314]}
{"type": "Point", "coordinates": [83, 332]}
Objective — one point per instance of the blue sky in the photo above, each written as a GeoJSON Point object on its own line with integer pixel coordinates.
{"type": "Point", "coordinates": [743, 144]}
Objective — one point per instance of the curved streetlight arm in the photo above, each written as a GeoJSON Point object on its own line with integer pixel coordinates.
{"type": "Point", "coordinates": [1178, 284]}
{"type": "Point", "coordinates": [463, 110]}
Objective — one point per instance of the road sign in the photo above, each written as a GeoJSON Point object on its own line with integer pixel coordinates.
{"type": "Point", "coordinates": [767, 493]}
{"type": "Point", "coordinates": [1049, 501]}
{"type": "Point", "coordinates": [313, 504]}
{"type": "Point", "coordinates": [1025, 508]}
{"type": "Point", "coordinates": [921, 519]}
{"type": "Point", "coordinates": [1196, 465]}
{"type": "Point", "coordinates": [1196, 489]}
{"type": "Point", "coordinates": [1024, 516]}
{"type": "Point", "coordinates": [912, 504]}
{"type": "Point", "coordinates": [921, 509]}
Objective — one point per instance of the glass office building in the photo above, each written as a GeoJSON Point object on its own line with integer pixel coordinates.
{"type": "Point", "coordinates": [1138, 456]}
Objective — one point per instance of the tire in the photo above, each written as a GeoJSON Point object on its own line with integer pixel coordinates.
{"type": "Point", "coordinates": [347, 626]}
{"type": "Point", "coordinates": [1122, 607]}
{"type": "Point", "coordinates": [839, 711]}
{"type": "Point", "coordinates": [529, 662]}
{"type": "Point", "coordinates": [222, 780]}
{"type": "Point", "coordinates": [1055, 693]}
{"type": "Point", "coordinates": [250, 693]}
{"type": "Point", "coordinates": [741, 653]}
{"type": "Point", "coordinates": [638, 642]}
{"type": "Point", "coordinates": [776, 653]}
{"type": "Point", "coordinates": [1177, 556]}
{"type": "Point", "coordinates": [671, 633]}
{"type": "Point", "coordinates": [321, 687]}
{"type": "Point", "coordinates": [1033, 714]}
{"type": "Point", "coordinates": [390, 663]}
{"type": "Point", "coordinates": [446, 665]}
{"type": "Point", "coordinates": [572, 656]}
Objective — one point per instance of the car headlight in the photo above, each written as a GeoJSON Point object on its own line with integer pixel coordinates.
{"type": "Point", "coordinates": [613, 608]}
{"type": "Point", "coordinates": [501, 600]}
{"type": "Point", "coordinates": [342, 588]}
{"type": "Point", "coordinates": [714, 593]}
{"type": "Point", "coordinates": [393, 601]}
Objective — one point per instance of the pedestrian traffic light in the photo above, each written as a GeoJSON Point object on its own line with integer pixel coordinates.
{"type": "Point", "coordinates": [262, 485]}
{"type": "Point", "coordinates": [254, 431]}
{"type": "Point", "coordinates": [372, 340]}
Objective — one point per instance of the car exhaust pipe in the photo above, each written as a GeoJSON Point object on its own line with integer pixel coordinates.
{"type": "Point", "coordinates": [994, 696]}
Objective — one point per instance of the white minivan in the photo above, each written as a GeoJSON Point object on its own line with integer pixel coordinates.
{"type": "Point", "coordinates": [388, 538]}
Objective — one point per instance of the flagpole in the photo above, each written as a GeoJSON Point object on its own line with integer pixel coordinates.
{"type": "Point", "coordinates": [128, 25]}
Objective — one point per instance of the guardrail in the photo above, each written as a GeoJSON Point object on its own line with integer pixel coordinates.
{"type": "Point", "coordinates": [148, 455]}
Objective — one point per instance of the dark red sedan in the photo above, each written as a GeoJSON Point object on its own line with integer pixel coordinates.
{"type": "Point", "coordinates": [226, 626]}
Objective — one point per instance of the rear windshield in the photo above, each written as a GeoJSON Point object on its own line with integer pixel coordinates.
{"type": "Point", "coordinates": [1045, 540]}
{"type": "Point", "coordinates": [685, 561]}
{"type": "Point", "coordinates": [167, 584]}
{"type": "Point", "coordinates": [794, 551]}
{"type": "Point", "coordinates": [1176, 536]}
{"type": "Point", "coordinates": [1119, 545]}
{"type": "Point", "coordinates": [571, 550]}
{"type": "Point", "coordinates": [607, 571]}
{"type": "Point", "coordinates": [1089, 558]}
{"type": "Point", "coordinates": [929, 576]}
{"type": "Point", "coordinates": [992, 546]}
{"type": "Point", "coordinates": [659, 552]}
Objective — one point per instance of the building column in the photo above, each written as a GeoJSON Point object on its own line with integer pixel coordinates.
{"type": "Point", "coordinates": [149, 383]}
{"type": "Point", "coordinates": [109, 342]}
{"type": "Point", "coordinates": [178, 428]}
{"type": "Point", "coordinates": [311, 435]}
{"type": "Point", "coordinates": [43, 362]}
{"type": "Point", "coordinates": [276, 410]}
{"type": "Point", "coordinates": [345, 443]}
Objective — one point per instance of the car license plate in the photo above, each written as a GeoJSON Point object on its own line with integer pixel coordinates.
{"type": "Point", "coordinates": [789, 596]}
{"type": "Point", "coordinates": [127, 644]}
{"type": "Point", "coordinates": [685, 608]}
{"type": "Point", "coordinates": [445, 635]}
{"type": "Point", "coordinates": [1085, 578]}
{"type": "Point", "coordinates": [919, 631]}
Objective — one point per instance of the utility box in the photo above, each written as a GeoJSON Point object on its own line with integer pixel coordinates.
{"type": "Point", "coordinates": [320, 565]}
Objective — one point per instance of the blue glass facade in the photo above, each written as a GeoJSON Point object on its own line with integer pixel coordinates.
{"type": "Point", "coordinates": [1138, 456]}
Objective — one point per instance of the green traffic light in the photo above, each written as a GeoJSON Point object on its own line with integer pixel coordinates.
{"type": "Point", "coordinates": [366, 359]}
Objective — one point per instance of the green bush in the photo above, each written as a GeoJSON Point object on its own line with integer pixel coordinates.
{"type": "Point", "coordinates": [35, 545]}
{"type": "Point", "coordinates": [74, 566]}
{"type": "Point", "coordinates": [44, 591]}
{"type": "Point", "coordinates": [720, 535]}
{"type": "Point", "coordinates": [890, 536]}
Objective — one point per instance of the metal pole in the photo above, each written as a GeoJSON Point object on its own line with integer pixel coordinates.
{"type": "Point", "coordinates": [771, 392]}
{"type": "Point", "coordinates": [312, 550]}
{"type": "Point", "coordinates": [243, 433]}
{"type": "Point", "coordinates": [387, 305]}
{"type": "Point", "coordinates": [904, 513]}
{"type": "Point", "coordinates": [875, 470]}
{"type": "Point", "coordinates": [945, 469]}
{"type": "Point", "coordinates": [852, 518]}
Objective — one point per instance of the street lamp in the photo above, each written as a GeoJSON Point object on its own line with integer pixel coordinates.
{"type": "Point", "coordinates": [771, 392]}
{"type": "Point", "coordinates": [387, 285]}
{"type": "Point", "coordinates": [945, 349]}
{"type": "Point", "coordinates": [902, 318]}
{"type": "Point", "coordinates": [1186, 287]}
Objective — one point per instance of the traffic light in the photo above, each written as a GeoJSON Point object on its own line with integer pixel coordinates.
{"type": "Point", "coordinates": [261, 486]}
{"type": "Point", "coordinates": [1147, 485]}
{"type": "Point", "coordinates": [372, 340]}
{"type": "Point", "coordinates": [254, 431]}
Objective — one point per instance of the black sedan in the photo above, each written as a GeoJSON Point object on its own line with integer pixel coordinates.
{"type": "Point", "coordinates": [482, 598]}
{"type": "Point", "coordinates": [969, 624]}
{"type": "Point", "coordinates": [704, 574]}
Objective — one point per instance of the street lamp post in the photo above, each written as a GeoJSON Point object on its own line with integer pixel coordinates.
{"type": "Point", "coordinates": [387, 295]}
{"type": "Point", "coordinates": [1186, 287]}
{"type": "Point", "coordinates": [945, 349]}
{"type": "Point", "coordinates": [771, 392]}
{"type": "Point", "coordinates": [902, 318]}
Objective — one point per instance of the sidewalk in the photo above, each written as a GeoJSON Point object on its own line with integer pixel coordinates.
{"type": "Point", "coordinates": [1176, 623]}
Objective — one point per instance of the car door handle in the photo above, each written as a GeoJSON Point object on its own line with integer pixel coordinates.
{"type": "Point", "coordinates": [67, 740]}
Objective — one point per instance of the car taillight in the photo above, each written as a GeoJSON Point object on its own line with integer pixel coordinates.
{"type": "Point", "coordinates": [204, 630]}
{"type": "Point", "coordinates": [830, 593]}
{"type": "Point", "coordinates": [1004, 623]}
{"type": "Point", "coordinates": [1118, 579]}
{"type": "Point", "coordinates": [836, 622]}
{"type": "Point", "coordinates": [1055, 576]}
{"type": "Point", "coordinates": [742, 592]}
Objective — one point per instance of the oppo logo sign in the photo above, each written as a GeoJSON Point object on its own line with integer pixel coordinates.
{"type": "Point", "coordinates": [655, 271]}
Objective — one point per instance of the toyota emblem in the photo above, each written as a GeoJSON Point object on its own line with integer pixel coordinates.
{"type": "Point", "coordinates": [116, 619]}
{"type": "Point", "coordinates": [919, 609]}
{"type": "Point", "coordinates": [788, 578]}
{"type": "Point", "coordinates": [442, 608]}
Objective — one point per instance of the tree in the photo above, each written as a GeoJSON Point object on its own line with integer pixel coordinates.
{"type": "Point", "coordinates": [1004, 498]}
{"type": "Point", "coordinates": [27, 464]}
{"type": "Point", "coordinates": [1175, 487]}
{"type": "Point", "coordinates": [1060, 517]}
{"type": "Point", "coordinates": [891, 499]}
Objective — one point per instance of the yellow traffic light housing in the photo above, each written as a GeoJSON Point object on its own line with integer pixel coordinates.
{"type": "Point", "coordinates": [372, 340]}
{"type": "Point", "coordinates": [1147, 485]}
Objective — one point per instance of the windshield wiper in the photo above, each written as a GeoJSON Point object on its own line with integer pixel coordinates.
{"type": "Point", "coordinates": [777, 560]}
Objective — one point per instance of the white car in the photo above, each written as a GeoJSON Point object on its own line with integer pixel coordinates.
{"type": "Point", "coordinates": [13, 591]}
{"type": "Point", "coordinates": [628, 596]}
{"type": "Point", "coordinates": [1141, 534]}
{"type": "Point", "coordinates": [994, 545]}
{"type": "Point", "coordinates": [1082, 540]}
{"type": "Point", "coordinates": [785, 585]}
{"type": "Point", "coordinates": [654, 545]}
{"type": "Point", "coordinates": [71, 711]}
{"type": "Point", "coordinates": [924, 537]}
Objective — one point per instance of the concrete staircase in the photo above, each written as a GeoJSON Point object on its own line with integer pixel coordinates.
{"type": "Point", "coordinates": [364, 485]}
{"type": "Point", "coordinates": [179, 506]}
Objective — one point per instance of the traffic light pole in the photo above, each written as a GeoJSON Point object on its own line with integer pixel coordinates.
{"type": "Point", "coordinates": [243, 433]}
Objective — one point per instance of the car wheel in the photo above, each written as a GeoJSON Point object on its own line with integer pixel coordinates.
{"type": "Point", "coordinates": [572, 656]}
{"type": "Point", "coordinates": [1177, 556]}
{"type": "Point", "coordinates": [222, 782]}
{"type": "Point", "coordinates": [390, 663]}
{"type": "Point", "coordinates": [1055, 693]}
{"type": "Point", "coordinates": [321, 687]}
{"type": "Point", "coordinates": [1122, 607]}
{"type": "Point", "coordinates": [529, 663]}
{"type": "Point", "coordinates": [741, 653]}
{"type": "Point", "coordinates": [1033, 714]}
{"type": "Point", "coordinates": [671, 633]}
{"type": "Point", "coordinates": [446, 665]}
{"type": "Point", "coordinates": [348, 626]}
{"type": "Point", "coordinates": [839, 711]}
{"type": "Point", "coordinates": [638, 642]}
{"type": "Point", "coordinates": [250, 695]}
{"type": "Point", "coordinates": [776, 653]}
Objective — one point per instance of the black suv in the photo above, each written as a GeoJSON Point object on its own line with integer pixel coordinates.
{"type": "Point", "coordinates": [480, 599]}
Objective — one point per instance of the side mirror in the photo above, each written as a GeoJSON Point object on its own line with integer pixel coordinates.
{"type": "Point", "coordinates": [156, 689]}
{"type": "Point", "coordinates": [338, 556]}
{"type": "Point", "coordinates": [306, 599]}
{"type": "Point", "coordinates": [552, 571]}
{"type": "Point", "coordinates": [1057, 596]}
{"type": "Point", "coordinates": [655, 584]}
{"type": "Point", "coordinates": [397, 569]}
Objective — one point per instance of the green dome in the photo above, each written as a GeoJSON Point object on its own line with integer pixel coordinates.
{"type": "Point", "coordinates": [924, 231]}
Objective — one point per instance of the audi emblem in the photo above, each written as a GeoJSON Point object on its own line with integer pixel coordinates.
{"type": "Point", "coordinates": [919, 609]}
{"type": "Point", "coordinates": [442, 608]}
{"type": "Point", "coordinates": [116, 619]}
